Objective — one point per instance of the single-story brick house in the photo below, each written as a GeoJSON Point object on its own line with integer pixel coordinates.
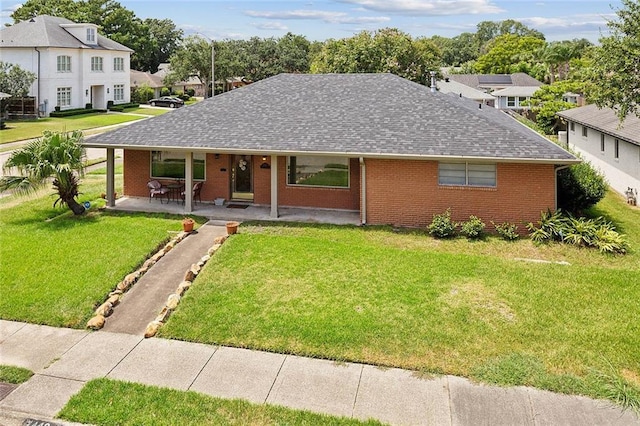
{"type": "Point", "coordinates": [392, 150]}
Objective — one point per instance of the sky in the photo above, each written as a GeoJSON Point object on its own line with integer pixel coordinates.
{"type": "Point", "coordinates": [319, 20]}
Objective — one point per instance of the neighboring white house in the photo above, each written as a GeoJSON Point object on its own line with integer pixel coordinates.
{"type": "Point", "coordinates": [74, 64]}
{"type": "Point", "coordinates": [513, 97]}
{"type": "Point", "coordinates": [448, 86]}
{"type": "Point", "coordinates": [609, 145]}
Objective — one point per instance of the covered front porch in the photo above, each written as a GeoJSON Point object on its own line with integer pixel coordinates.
{"type": "Point", "coordinates": [251, 212]}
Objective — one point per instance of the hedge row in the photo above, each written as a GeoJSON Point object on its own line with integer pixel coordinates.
{"type": "Point", "coordinates": [77, 111]}
{"type": "Point", "coordinates": [122, 107]}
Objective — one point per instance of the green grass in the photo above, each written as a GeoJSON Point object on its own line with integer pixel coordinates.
{"type": "Point", "coordinates": [14, 375]}
{"type": "Point", "coordinates": [146, 111]}
{"type": "Point", "coordinates": [407, 300]}
{"type": "Point", "coordinates": [56, 267]}
{"type": "Point", "coordinates": [103, 170]}
{"type": "Point", "coordinates": [108, 402]}
{"type": "Point", "coordinates": [20, 130]}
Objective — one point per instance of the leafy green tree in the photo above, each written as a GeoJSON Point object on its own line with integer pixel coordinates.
{"type": "Point", "coordinates": [548, 100]}
{"type": "Point", "coordinates": [580, 187]}
{"type": "Point", "coordinates": [486, 31]}
{"type": "Point", "coordinates": [509, 53]}
{"type": "Point", "coordinates": [614, 76]}
{"type": "Point", "coordinates": [14, 80]}
{"type": "Point", "coordinates": [191, 59]}
{"type": "Point", "coordinates": [57, 155]}
{"type": "Point", "coordinates": [557, 56]}
{"type": "Point", "coordinates": [386, 50]}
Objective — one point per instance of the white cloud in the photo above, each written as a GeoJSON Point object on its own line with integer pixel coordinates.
{"type": "Point", "coordinates": [588, 26]}
{"type": "Point", "coordinates": [272, 25]}
{"type": "Point", "coordinates": [7, 11]}
{"type": "Point", "coordinates": [329, 17]}
{"type": "Point", "coordinates": [428, 7]}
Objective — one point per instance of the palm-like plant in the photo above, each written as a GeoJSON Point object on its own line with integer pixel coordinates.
{"type": "Point", "coordinates": [57, 155]}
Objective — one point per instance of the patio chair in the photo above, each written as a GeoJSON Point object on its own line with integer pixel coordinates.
{"type": "Point", "coordinates": [197, 188]}
{"type": "Point", "coordinates": [157, 190]}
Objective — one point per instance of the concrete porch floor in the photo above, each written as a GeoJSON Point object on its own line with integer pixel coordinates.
{"type": "Point", "coordinates": [252, 212]}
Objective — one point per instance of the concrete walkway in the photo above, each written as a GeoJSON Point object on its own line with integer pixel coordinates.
{"type": "Point", "coordinates": [64, 360]}
{"type": "Point", "coordinates": [143, 302]}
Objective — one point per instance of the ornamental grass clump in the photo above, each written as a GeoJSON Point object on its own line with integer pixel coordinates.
{"type": "Point", "coordinates": [473, 229]}
{"type": "Point", "coordinates": [579, 231]}
{"type": "Point", "coordinates": [442, 226]}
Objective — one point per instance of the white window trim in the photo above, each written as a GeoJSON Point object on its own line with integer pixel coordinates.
{"type": "Point", "coordinates": [204, 158]}
{"type": "Point", "coordinates": [66, 91]}
{"type": "Point", "coordinates": [118, 89]}
{"type": "Point", "coordinates": [118, 64]}
{"type": "Point", "coordinates": [466, 175]}
{"type": "Point", "coordinates": [95, 60]}
{"type": "Point", "coordinates": [66, 62]}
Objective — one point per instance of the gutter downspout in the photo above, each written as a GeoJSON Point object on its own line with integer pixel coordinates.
{"type": "Point", "coordinates": [38, 101]}
{"type": "Point", "coordinates": [363, 192]}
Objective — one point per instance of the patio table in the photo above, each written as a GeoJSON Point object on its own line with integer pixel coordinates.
{"type": "Point", "coordinates": [175, 189]}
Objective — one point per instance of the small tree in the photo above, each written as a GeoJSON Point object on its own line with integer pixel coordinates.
{"type": "Point", "coordinates": [14, 80]}
{"type": "Point", "coordinates": [580, 187]}
{"type": "Point", "coordinates": [56, 155]}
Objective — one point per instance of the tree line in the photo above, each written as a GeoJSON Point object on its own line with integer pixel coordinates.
{"type": "Point", "coordinates": [608, 74]}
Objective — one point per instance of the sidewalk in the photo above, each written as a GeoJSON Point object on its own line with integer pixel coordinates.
{"type": "Point", "coordinates": [63, 360]}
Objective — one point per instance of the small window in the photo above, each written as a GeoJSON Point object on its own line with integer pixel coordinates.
{"type": "Point", "coordinates": [96, 64]}
{"type": "Point", "coordinates": [64, 63]}
{"type": "Point", "coordinates": [467, 174]}
{"type": "Point", "coordinates": [584, 131]}
{"type": "Point", "coordinates": [616, 149]}
{"type": "Point", "coordinates": [330, 172]}
{"type": "Point", "coordinates": [602, 142]}
{"type": "Point", "coordinates": [572, 126]}
{"type": "Point", "coordinates": [511, 101]}
{"type": "Point", "coordinates": [63, 96]}
{"type": "Point", "coordinates": [118, 64]}
{"type": "Point", "coordinates": [171, 165]}
{"type": "Point", "coordinates": [91, 35]}
{"type": "Point", "coordinates": [118, 92]}
{"type": "Point", "coordinates": [521, 99]}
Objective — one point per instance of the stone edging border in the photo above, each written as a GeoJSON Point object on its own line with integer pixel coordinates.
{"type": "Point", "coordinates": [174, 299]}
{"type": "Point", "coordinates": [106, 309]}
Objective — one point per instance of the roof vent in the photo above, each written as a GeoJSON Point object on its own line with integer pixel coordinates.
{"type": "Point", "coordinates": [433, 81]}
{"type": "Point", "coordinates": [32, 20]}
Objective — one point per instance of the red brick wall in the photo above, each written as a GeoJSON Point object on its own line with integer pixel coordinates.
{"type": "Point", "coordinates": [330, 198]}
{"type": "Point", "coordinates": [137, 166]}
{"type": "Point", "coordinates": [406, 193]}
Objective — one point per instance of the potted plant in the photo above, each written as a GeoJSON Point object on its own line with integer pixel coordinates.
{"type": "Point", "coordinates": [232, 227]}
{"type": "Point", "coordinates": [187, 224]}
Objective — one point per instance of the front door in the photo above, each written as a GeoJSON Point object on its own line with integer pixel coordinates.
{"type": "Point", "coordinates": [241, 178]}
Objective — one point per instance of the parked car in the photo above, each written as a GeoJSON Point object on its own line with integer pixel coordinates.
{"type": "Point", "coordinates": [167, 101]}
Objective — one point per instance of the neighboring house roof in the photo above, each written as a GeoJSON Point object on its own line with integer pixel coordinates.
{"type": "Point", "coordinates": [165, 68]}
{"type": "Point", "coordinates": [516, 91]}
{"type": "Point", "coordinates": [605, 120]}
{"type": "Point", "coordinates": [46, 31]}
{"type": "Point", "coordinates": [464, 90]}
{"type": "Point", "coordinates": [369, 115]}
{"type": "Point", "coordinates": [495, 81]}
{"type": "Point", "coordinates": [139, 78]}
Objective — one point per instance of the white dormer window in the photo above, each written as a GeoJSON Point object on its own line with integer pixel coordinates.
{"type": "Point", "coordinates": [91, 35]}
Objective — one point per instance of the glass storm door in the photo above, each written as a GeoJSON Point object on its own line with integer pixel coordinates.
{"type": "Point", "coordinates": [242, 179]}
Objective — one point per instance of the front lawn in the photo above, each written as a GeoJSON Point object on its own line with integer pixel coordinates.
{"type": "Point", "coordinates": [27, 129]}
{"type": "Point", "coordinates": [109, 402]}
{"type": "Point", "coordinates": [56, 267]}
{"type": "Point", "coordinates": [404, 299]}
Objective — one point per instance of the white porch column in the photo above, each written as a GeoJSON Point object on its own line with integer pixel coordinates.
{"type": "Point", "coordinates": [274, 186]}
{"type": "Point", "coordinates": [111, 179]}
{"type": "Point", "coordinates": [188, 182]}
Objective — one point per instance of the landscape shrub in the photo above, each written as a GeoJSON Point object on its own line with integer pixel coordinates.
{"type": "Point", "coordinates": [142, 94]}
{"type": "Point", "coordinates": [473, 229]}
{"type": "Point", "coordinates": [165, 91]}
{"type": "Point", "coordinates": [580, 231]}
{"type": "Point", "coordinates": [122, 107]}
{"type": "Point", "coordinates": [442, 226]}
{"type": "Point", "coordinates": [508, 231]}
{"type": "Point", "coordinates": [191, 92]}
{"type": "Point", "coordinates": [580, 187]}
{"type": "Point", "coordinates": [76, 111]}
